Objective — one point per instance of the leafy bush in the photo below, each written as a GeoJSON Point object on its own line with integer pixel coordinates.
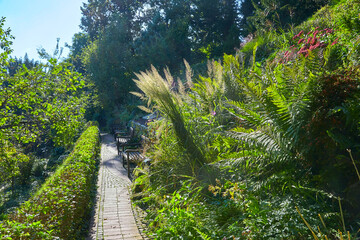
{"type": "Point", "coordinates": [26, 230]}
{"type": "Point", "coordinates": [61, 208]}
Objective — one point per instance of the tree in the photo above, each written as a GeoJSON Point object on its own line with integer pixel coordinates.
{"type": "Point", "coordinates": [192, 29]}
{"type": "Point", "coordinates": [35, 101]}
{"type": "Point", "coordinates": [216, 27]}
{"type": "Point", "coordinates": [5, 46]}
{"type": "Point", "coordinates": [108, 62]}
{"type": "Point", "coordinates": [130, 36]}
{"type": "Point", "coordinates": [97, 14]}
{"type": "Point", "coordinates": [166, 39]}
{"type": "Point", "coordinates": [246, 10]}
{"type": "Point", "coordinates": [43, 102]}
{"type": "Point", "coordinates": [109, 59]}
{"type": "Point", "coordinates": [95, 17]}
{"type": "Point", "coordinates": [79, 42]}
{"type": "Point", "coordinates": [17, 63]}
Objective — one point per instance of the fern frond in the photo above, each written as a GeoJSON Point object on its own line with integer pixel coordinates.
{"type": "Point", "coordinates": [202, 235]}
{"type": "Point", "coordinates": [243, 112]}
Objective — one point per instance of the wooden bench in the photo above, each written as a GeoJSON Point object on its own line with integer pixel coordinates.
{"type": "Point", "coordinates": [116, 127]}
{"type": "Point", "coordinates": [133, 155]}
{"type": "Point", "coordinates": [123, 138]}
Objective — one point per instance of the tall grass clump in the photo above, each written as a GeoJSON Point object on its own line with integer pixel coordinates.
{"type": "Point", "coordinates": [168, 97]}
{"type": "Point", "coordinates": [62, 207]}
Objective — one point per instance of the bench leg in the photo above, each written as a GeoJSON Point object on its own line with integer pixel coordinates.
{"type": "Point", "coordinates": [128, 165]}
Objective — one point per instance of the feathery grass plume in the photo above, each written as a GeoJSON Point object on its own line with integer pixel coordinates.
{"type": "Point", "coordinates": [189, 75]}
{"type": "Point", "coordinates": [210, 90]}
{"type": "Point", "coordinates": [160, 92]}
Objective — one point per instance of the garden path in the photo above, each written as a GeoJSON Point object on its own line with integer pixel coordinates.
{"type": "Point", "coordinates": [114, 218]}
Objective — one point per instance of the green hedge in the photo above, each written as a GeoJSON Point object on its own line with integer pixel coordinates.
{"type": "Point", "coordinates": [62, 207]}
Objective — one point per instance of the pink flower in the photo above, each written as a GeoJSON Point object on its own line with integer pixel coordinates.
{"type": "Point", "coordinates": [213, 113]}
{"type": "Point", "coordinates": [298, 35]}
{"type": "Point", "coordinates": [304, 48]}
{"type": "Point", "coordinates": [329, 30]}
{"type": "Point", "coordinates": [314, 46]}
{"type": "Point", "coordinates": [313, 41]}
{"type": "Point", "coordinates": [303, 51]}
{"type": "Point", "coordinates": [301, 40]}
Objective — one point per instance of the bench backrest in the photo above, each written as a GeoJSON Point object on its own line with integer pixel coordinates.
{"type": "Point", "coordinates": [131, 132]}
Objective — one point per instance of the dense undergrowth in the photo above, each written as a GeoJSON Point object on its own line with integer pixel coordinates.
{"type": "Point", "coordinates": [266, 145]}
{"type": "Point", "coordinates": [61, 209]}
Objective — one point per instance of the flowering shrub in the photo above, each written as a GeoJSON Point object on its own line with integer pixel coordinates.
{"type": "Point", "coordinates": [303, 43]}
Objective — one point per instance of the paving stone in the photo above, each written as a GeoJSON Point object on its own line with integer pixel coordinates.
{"type": "Point", "coordinates": [114, 218]}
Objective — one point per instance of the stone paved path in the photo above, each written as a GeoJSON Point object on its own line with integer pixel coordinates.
{"type": "Point", "coordinates": [114, 218]}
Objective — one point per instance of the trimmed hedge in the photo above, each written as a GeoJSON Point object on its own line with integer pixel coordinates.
{"type": "Point", "coordinates": [62, 207]}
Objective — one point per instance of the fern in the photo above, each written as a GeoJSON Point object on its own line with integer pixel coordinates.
{"type": "Point", "coordinates": [276, 107]}
{"type": "Point", "coordinates": [202, 235]}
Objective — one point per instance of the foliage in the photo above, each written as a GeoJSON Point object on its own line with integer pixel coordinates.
{"type": "Point", "coordinates": [10, 162]}
{"type": "Point", "coordinates": [41, 106]}
{"type": "Point", "coordinates": [273, 127]}
{"type": "Point", "coordinates": [97, 14]}
{"type": "Point", "coordinates": [5, 40]}
{"type": "Point", "coordinates": [62, 206]}
{"type": "Point", "coordinates": [27, 230]}
{"type": "Point", "coordinates": [129, 36]}
{"type": "Point", "coordinates": [34, 102]}
{"type": "Point", "coordinates": [273, 14]}
{"type": "Point", "coordinates": [17, 63]}
{"type": "Point", "coordinates": [111, 70]}
{"type": "Point", "coordinates": [79, 43]}
{"type": "Point", "coordinates": [177, 216]}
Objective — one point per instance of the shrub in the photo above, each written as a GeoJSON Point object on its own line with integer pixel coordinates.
{"type": "Point", "coordinates": [62, 206]}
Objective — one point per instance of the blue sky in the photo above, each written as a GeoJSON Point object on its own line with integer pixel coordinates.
{"type": "Point", "coordinates": [38, 23]}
